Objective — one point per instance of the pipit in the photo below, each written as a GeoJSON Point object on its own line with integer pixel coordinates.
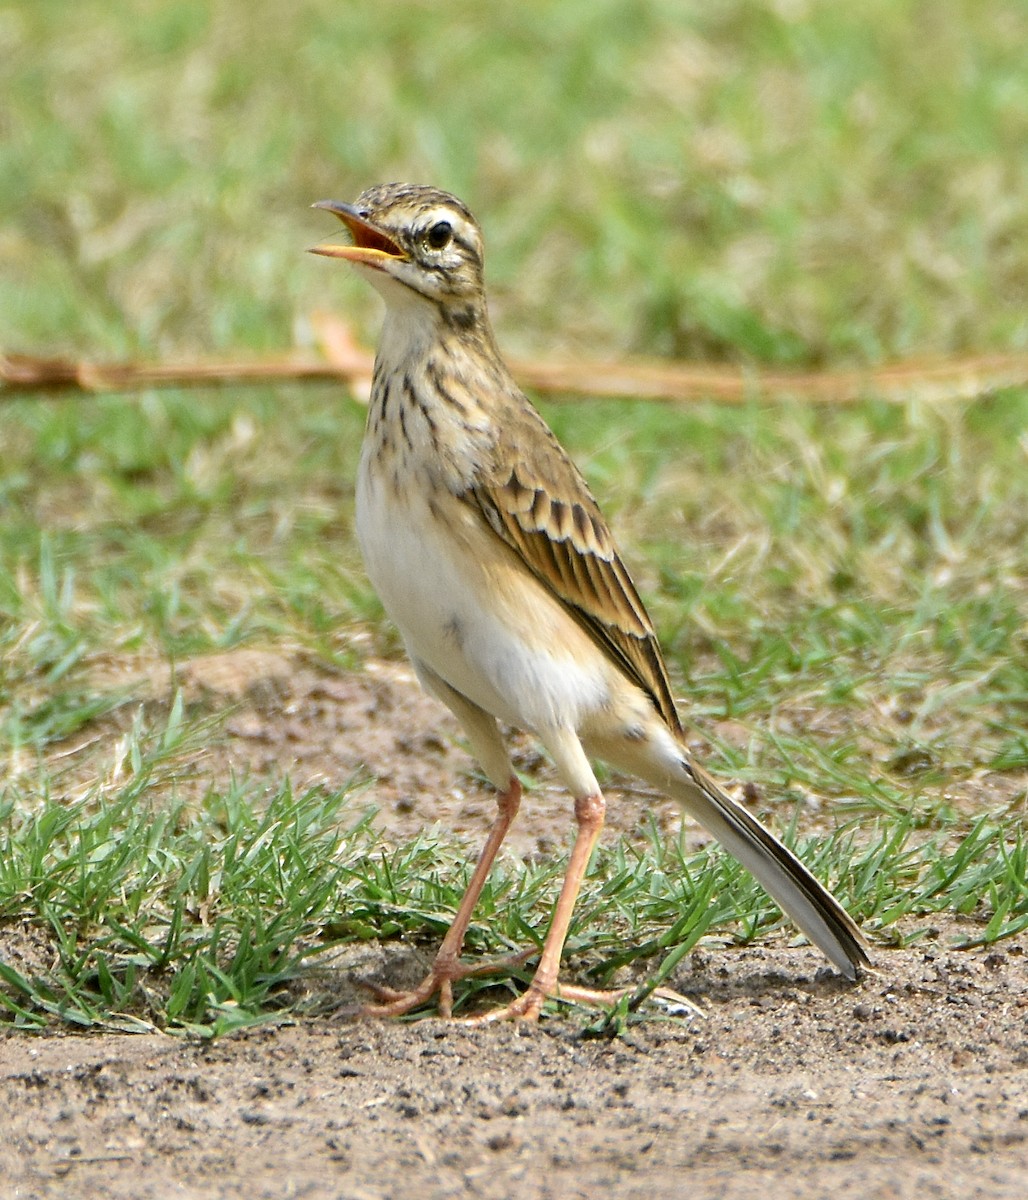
{"type": "Point", "coordinates": [493, 559]}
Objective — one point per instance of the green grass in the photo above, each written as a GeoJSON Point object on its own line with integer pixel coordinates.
{"type": "Point", "coordinates": [776, 182]}
{"type": "Point", "coordinates": [205, 921]}
{"type": "Point", "coordinates": [842, 594]}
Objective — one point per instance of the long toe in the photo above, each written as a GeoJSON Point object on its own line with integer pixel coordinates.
{"type": "Point", "coordinates": [526, 1007]}
{"type": "Point", "coordinates": [394, 1003]}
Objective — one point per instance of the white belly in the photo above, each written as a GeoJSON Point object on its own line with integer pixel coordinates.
{"type": "Point", "coordinates": [470, 611]}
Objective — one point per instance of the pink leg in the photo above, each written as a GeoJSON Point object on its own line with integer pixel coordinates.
{"type": "Point", "coordinates": [589, 813]}
{"type": "Point", "coordinates": [447, 966]}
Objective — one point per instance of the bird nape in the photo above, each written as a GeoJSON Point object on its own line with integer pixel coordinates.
{"type": "Point", "coordinates": [493, 559]}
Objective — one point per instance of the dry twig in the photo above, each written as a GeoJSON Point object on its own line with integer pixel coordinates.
{"type": "Point", "coordinates": [343, 359]}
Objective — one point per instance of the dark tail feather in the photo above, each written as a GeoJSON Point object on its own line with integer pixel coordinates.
{"type": "Point", "coordinates": [814, 909]}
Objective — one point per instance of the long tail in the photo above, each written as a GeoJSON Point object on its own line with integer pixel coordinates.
{"type": "Point", "coordinates": [814, 909]}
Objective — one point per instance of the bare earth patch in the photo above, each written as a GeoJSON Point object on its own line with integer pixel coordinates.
{"type": "Point", "coordinates": [913, 1083]}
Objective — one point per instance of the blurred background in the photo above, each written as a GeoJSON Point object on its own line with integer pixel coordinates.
{"type": "Point", "coordinates": [780, 181]}
{"type": "Point", "coordinates": [757, 182]}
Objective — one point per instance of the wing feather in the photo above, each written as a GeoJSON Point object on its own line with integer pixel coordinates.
{"type": "Point", "coordinates": [545, 512]}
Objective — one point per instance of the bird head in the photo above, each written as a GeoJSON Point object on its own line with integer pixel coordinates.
{"type": "Point", "coordinates": [418, 238]}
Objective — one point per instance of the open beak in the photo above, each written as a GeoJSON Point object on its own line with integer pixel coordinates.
{"type": "Point", "coordinates": [372, 247]}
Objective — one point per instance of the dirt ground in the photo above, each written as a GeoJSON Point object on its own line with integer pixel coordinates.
{"type": "Point", "coordinates": [913, 1082]}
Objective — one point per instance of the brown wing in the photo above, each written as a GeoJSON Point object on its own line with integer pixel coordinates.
{"type": "Point", "coordinates": [544, 511]}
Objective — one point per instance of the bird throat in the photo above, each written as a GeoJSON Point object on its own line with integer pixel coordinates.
{"type": "Point", "coordinates": [427, 419]}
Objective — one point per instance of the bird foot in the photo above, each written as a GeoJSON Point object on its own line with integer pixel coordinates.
{"type": "Point", "coordinates": [444, 972]}
{"type": "Point", "coordinates": [528, 1006]}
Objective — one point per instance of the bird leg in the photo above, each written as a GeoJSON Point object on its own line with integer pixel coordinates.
{"type": "Point", "coordinates": [447, 966]}
{"type": "Point", "coordinates": [589, 814]}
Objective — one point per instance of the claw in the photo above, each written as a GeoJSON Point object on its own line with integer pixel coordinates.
{"type": "Point", "coordinates": [440, 979]}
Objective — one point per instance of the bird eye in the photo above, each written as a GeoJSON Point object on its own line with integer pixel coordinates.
{"type": "Point", "coordinates": [439, 235]}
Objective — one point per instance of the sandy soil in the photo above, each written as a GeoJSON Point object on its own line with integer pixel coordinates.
{"type": "Point", "coordinates": [913, 1082]}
